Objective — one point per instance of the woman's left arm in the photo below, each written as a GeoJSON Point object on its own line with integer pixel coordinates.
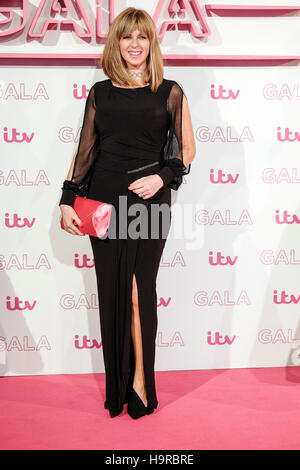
{"type": "Point", "coordinates": [180, 148]}
{"type": "Point", "coordinates": [179, 152]}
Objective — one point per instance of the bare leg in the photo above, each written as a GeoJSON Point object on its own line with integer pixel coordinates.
{"type": "Point", "coordinates": [139, 378]}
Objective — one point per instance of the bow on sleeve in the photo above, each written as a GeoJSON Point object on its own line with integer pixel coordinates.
{"type": "Point", "coordinates": [174, 168]}
{"type": "Point", "coordinates": [85, 155]}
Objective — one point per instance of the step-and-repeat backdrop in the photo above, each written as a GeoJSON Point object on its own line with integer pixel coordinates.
{"type": "Point", "coordinates": [228, 284]}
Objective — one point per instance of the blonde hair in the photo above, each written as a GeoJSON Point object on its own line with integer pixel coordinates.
{"type": "Point", "coordinates": [112, 62]}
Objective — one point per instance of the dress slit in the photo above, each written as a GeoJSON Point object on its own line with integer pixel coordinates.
{"type": "Point", "coordinates": [145, 271]}
{"type": "Point", "coordinates": [140, 327]}
{"type": "Point", "coordinates": [147, 305]}
{"type": "Point", "coordinates": [129, 363]}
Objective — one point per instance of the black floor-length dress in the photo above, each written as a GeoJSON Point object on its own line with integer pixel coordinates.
{"type": "Point", "coordinates": [124, 135]}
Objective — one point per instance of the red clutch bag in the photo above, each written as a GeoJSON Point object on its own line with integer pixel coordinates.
{"type": "Point", "coordinates": [94, 216]}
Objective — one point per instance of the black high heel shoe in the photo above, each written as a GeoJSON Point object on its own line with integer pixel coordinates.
{"type": "Point", "coordinates": [136, 408]}
{"type": "Point", "coordinates": [113, 412]}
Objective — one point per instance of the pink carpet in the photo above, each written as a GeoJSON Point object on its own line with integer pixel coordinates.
{"type": "Point", "coordinates": [199, 409]}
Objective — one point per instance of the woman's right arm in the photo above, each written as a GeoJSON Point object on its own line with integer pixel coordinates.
{"type": "Point", "coordinates": [81, 163]}
{"type": "Point", "coordinates": [67, 212]}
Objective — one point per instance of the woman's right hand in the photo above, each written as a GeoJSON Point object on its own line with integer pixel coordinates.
{"type": "Point", "coordinates": [69, 216]}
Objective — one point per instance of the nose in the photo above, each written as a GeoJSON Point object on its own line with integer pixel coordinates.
{"type": "Point", "coordinates": [134, 41]}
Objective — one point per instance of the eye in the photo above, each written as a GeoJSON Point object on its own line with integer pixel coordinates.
{"type": "Point", "coordinates": [125, 37]}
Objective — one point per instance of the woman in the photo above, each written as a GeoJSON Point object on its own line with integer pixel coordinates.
{"type": "Point", "coordinates": [136, 143]}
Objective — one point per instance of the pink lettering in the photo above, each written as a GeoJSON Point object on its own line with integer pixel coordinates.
{"type": "Point", "coordinates": [221, 177]}
{"type": "Point", "coordinates": [18, 304]}
{"type": "Point", "coordinates": [218, 339]}
{"type": "Point", "coordinates": [222, 93]}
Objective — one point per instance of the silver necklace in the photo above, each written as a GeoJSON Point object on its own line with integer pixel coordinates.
{"type": "Point", "coordinates": [135, 74]}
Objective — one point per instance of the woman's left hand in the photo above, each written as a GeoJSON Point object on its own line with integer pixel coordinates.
{"type": "Point", "coordinates": [146, 186]}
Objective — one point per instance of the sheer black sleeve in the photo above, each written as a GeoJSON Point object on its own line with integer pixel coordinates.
{"type": "Point", "coordinates": [174, 168]}
{"type": "Point", "coordinates": [85, 155]}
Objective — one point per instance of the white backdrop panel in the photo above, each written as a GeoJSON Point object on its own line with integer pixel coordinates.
{"type": "Point", "coordinates": [209, 316]}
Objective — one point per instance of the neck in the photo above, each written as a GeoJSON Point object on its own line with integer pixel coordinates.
{"type": "Point", "coordinates": [137, 75]}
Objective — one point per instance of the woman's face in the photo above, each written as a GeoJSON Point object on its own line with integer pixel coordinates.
{"type": "Point", "coordinates": [131, 43]}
